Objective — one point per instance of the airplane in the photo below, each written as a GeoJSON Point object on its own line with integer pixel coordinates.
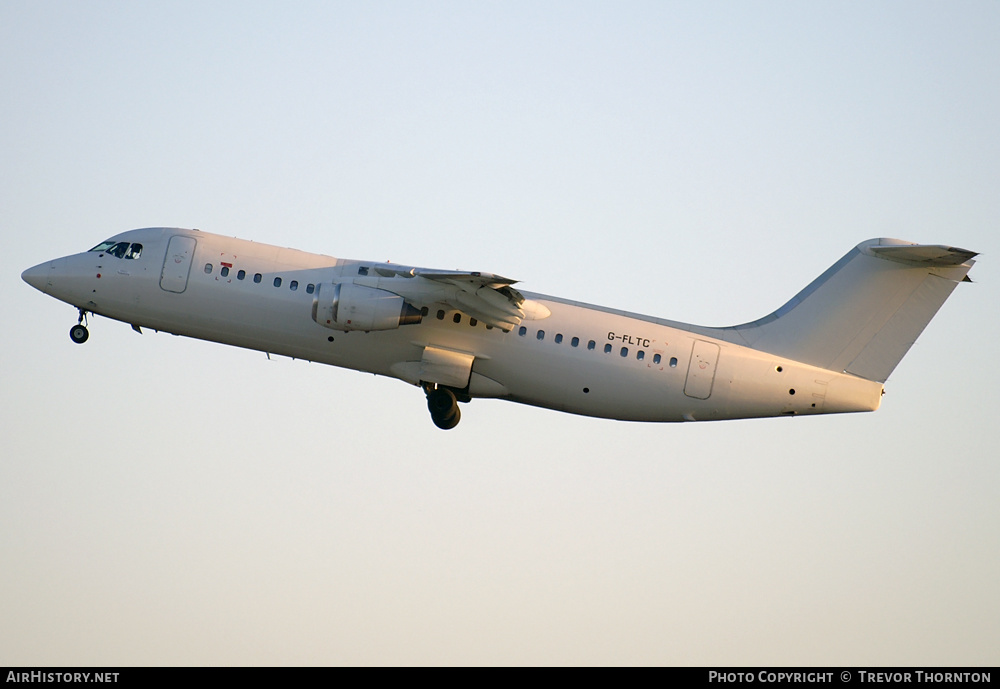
{"type": "Point", "coordinates": [462, 335]}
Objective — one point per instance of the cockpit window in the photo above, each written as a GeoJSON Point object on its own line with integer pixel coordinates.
{"type": "Point", "coordinates": [119, 249]}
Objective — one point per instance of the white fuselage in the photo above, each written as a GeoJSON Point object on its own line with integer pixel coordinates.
{"type": "Point", "coordinates": [564, 355]}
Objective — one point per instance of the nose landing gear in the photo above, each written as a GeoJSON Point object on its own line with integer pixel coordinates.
{"type": "Point", "coordinates": [443, 407]}
{"type": "Point", "coordinates": [79, 333]}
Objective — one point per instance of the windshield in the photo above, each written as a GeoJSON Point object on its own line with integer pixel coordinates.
{"type": "Point", "coordinates": [119, 249]}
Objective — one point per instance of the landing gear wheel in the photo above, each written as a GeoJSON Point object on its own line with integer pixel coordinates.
{"type": "Point", "coordinates": [443, 408]}
{"type": "Point", "coordinates": [447, 424]}
{"type": "Point", "coordinates": [79, 333]}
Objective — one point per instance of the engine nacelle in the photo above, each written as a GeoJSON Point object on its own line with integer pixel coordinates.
{"type": "Point", "coordinates": [346, 306]}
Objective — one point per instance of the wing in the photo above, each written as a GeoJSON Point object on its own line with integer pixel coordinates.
{"type": "Point", "coordinates": [483, 296]}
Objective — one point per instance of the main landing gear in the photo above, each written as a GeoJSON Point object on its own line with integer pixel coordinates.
{"type": "Point", "coordinates": [443, 406]}
{"type": "Point", "coordinates": [79, 333]}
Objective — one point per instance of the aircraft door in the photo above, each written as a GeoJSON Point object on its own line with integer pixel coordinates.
{"type": "Point", "coordinates": [177, 263]}
{"type": "Point", "coordinates": [701, 370]}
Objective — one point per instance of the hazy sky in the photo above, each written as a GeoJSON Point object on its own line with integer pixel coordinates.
{"type": "Point", "coordinates": [168, 501]}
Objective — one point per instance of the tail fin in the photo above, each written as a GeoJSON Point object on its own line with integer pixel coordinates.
{"type": "Point", "coordinates": [862, 315]}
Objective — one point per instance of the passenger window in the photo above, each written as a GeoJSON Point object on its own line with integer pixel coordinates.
{"type": "Point", "coordinates": [277, 282]}
{"type": "Point", "coordinates": [225, 271]}
{"type": "Point", "coordinates": [310, 288]}
{"type": "Point", "coordinates": [591, 344]}
{"type": "Point", "coordinates": [440, 315]}
{"type": "Point", "coordinates": [640, 355]}
{"type": "Point", "coordinates": [472, 322]}
{"type": "Point", "coordinates": [208, 268]}
{"type": "Point", "coordinates": [363, 270]}
{"type": "Point", "coordinates": [257, 278]}
{"type": "Point", "coordinates": [656, 358]}
{"type": "Point", "coordinates": [522, 331]}
{"type": "Point", "coordinates": [457, 318]}
{"type": "Point", "coordinates": [624, 352]}
{"type": "Point", "coordinates": [575, 341]}
{"type": "Point", "coordinates": [673, 362]}
{"type": "Point", "coordinates": [134, 251]}
{"type": "Point", "coordinates": [607, 349]}
{"type": "Point", "coordinates": [559, 338]}
{"type": "Point", "coordinates": [540, 335]}
{"type": "Point", "coordinates": [293, 285]}
{"type": "Point", "coordinates": [240, 275]}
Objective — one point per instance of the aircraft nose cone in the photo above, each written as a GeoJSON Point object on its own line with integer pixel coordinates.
{"type": "Point", "coordinates": [37, 277]}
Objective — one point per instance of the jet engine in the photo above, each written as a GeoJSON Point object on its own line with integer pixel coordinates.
{"type": "Point", "coordinates": [346, 306]}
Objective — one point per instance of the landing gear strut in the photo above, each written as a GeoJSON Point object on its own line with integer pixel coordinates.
{"type": "Point", "coordinates": [443, 407]}
{"type": "Point", "coordinates": [79, 333]}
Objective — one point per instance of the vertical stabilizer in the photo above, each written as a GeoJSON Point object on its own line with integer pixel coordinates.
{"type": "Point", "coordinates": [862, 315]}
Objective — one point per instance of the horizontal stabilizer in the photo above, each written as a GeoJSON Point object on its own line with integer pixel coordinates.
{"type": "Point", "coordinates": [924, 254]}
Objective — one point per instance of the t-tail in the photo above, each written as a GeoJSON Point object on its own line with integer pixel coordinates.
{"type": "Point", "coordinates": [862, 315]}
